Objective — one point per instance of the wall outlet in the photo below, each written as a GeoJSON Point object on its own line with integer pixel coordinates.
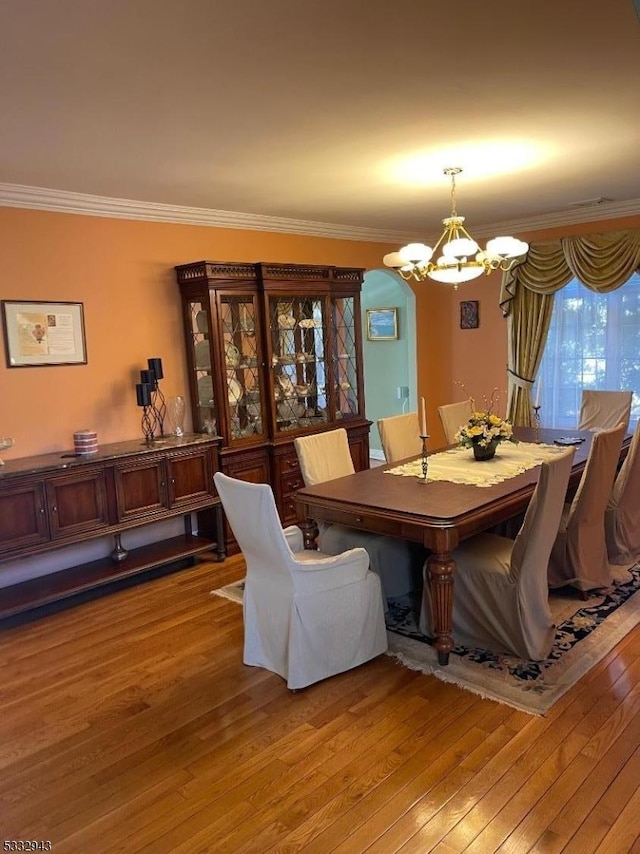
{"type": "Point", "coordinates": [402, 392]}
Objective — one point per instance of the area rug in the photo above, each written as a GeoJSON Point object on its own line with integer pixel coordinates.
{"type": "Point", "coordinates": [586, 632]}
{"type": "Point", "coordinates": [233, 591]}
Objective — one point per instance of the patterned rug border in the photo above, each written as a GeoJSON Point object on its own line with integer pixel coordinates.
{"type": "Point", "coordinates": [582, 640]}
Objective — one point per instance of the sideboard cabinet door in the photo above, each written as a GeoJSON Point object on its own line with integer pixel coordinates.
{"type": "Point", "coordinates": [77, 503]}
{"type": "Point", "coordinates": [23, 518]}
{"type": "Point", "coordinates": [141, 488]}
{"type": "Point", "coordinates": [190, 477]}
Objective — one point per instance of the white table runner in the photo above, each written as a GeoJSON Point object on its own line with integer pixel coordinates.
{"type": "Point", "coordinates": [459, 466]}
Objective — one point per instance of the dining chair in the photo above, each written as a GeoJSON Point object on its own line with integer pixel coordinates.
{"type": "Point", "coordinates": [579, 554]}
{"type": "Point", "coordinates": [453, 416]}
{"type": "Point", "coordinates": [326, 456]}
{"type": "Point", "coordinates": [400, 436]}
{"type": "Point", "coordinates": [307, 615]}
{"type": "Point", "coordinates": [622, 516]}
{"type": "Point", "coordinates": [602, 410]}
{"type": "Point", "coordinates": [501, 598]}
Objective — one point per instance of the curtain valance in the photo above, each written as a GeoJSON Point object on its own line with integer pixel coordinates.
{"type": "Point", "coordinates": [602, 262]}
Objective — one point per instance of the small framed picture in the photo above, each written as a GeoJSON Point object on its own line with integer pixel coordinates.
{"type": "Point", "coordinates": [43, 333]}
{"type": "Point", "coordinates": [382, 324]}
{"type": "Point", "coordinates": [469, 314]}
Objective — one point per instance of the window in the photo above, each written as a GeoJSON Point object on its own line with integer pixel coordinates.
{"type": "Point", "coordinates": [594, 342]}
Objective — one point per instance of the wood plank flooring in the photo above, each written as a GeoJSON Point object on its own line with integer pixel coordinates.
{"type": "Point", "coordinates": [129, 724]}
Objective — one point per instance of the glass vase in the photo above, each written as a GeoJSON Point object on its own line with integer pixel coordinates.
{"type": "Point", "coordinates": [176, 410]}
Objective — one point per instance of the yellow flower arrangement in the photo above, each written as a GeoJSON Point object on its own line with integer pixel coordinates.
{"type": "Point", "coordinates": [483, 429]}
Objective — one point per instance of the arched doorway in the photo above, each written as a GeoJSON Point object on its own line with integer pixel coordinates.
{"type": "Point", "coordinates": [390, 367]}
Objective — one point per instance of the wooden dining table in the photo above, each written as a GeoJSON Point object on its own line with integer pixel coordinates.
{"type": "Point", "coordinates": [437, 514]}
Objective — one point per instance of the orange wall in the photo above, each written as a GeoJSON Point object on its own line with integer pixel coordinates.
{"type": "Point", "coordinates": [123, 273]}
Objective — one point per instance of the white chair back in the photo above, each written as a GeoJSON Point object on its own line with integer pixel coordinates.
{"type": "Point", "coordinates": [539, 529]}
{"type": "Point", "coordinates": [579, 555]}
{"type": "Point", "coordinates": [307, 615]}
{"type": "Point", "coordinates": [602, 410]}
{"type": "Point", "coordinates": [622, 516]}
{"type": "Point", "coordinates": [453, 416]}
{"type": "Point", "coordinates": [324, 456]}
{"type": "Point", "coordinates": [400, 436]}
{"type": "Point", "coordinates": [251, 511]}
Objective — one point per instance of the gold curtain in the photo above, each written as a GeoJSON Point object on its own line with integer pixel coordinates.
{"type": "Point", "coordinates": [602, 262]}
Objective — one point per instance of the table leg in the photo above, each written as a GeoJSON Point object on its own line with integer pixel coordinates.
{"type": "Point", "coordinates": [309, 532]}
{"type": "Point", "coordinates": [440, 568]}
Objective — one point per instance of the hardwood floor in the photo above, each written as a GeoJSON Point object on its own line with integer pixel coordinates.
{"type": "Point", "coordinates": [130, 724]}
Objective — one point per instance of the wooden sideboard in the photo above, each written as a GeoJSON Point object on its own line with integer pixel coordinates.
{"type": "Point", "coordinates": [55, 500]}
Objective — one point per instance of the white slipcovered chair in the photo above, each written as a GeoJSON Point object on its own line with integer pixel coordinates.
{"type": "Point", "coordinates": [602, 410]}
{"type": "Point", "coordinates": [326, 456]}
{"type": "Point", "coordinates": [453, 416]}
{"type": "Point", "coordinates": [579, 554]}
{"type": "Point", "coordinates": [622, 516]}
{"type": "Point", "coordinates": [501, 599]}
{"type": "Point", "coordinates": [400, 436]}
{"type": "Point", "coordinates": [307, 615]}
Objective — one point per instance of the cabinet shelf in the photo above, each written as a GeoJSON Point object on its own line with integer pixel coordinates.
{"type": "Point", "coordinates": [27, 595]}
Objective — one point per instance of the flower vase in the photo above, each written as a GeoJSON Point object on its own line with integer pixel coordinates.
{"type": "Point", "coordinates": [487, 452]}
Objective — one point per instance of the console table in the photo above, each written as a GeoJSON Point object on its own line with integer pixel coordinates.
{"type": "Point", "coordinates": [54, 500]}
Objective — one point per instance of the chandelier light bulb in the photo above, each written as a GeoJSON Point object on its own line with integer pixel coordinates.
{"type": "Point", "coordinates": [461, 258]}
{"type": "Point", "coordinates": [506, 247]}
{"type": "Point", "coordinates": [462, 247]}
{"type": "Point", "coordinates": [415, 253]}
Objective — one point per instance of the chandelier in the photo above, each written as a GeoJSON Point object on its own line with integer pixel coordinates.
{"type": "Point", "coordinates": [461, 258]}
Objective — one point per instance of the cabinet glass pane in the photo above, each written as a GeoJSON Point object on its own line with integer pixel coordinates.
{"type": "Point", "coordinates": [344, 363]}
{"type": "Point", "coordinates": [242, 368]}
{"type": "Point", "coordinates": [206, 414]}
{"type": "Point", "coordinates": [298, 361]}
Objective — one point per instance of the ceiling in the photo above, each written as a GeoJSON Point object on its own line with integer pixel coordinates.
{"type": "Point", "coordinates": [341, 111]}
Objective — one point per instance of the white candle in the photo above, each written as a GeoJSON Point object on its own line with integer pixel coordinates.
{"type": "Point", "coordinates": [423, 419]}
{"type": "Point", "coordinates": [537, 403]}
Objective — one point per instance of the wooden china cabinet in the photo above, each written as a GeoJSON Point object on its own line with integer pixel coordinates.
{"type": "Point", "coordinates": [274, 351]}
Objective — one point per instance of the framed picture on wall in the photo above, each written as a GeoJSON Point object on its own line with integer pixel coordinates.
{"type": "Point", "coordinates": [469, 314]}
{"type": "Point", "coordinates": [382, 324]}
{"type": "Point", "coordinates": [43, 333]}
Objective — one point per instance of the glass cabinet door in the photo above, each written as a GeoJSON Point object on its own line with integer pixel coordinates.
{"type": "Point", "coordinates": [298, 361]}
{"type": "Point", "coordinates": [344, 358]}
{"type": "Point", "coordinates": [205, 413]}
{"type": "Point", "coordinates": [238, 317]}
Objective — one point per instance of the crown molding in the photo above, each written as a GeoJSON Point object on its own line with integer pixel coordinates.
{"type": "Point", "coordinates": [63, 201]}
{"type": "Point", "coordinates": [571, 216]}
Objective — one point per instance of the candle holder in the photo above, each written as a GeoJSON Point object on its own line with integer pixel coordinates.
{"type": "Point", "coordinates": [536, 422]}
{"type": "Point", "coordinates": [158, 401]}
{"type": "Point", "coordinates": [425, 458]}
{"type": "Point", "coordinates": [159, 405]}
{"type": "Point", "coordinates": [148, 423]}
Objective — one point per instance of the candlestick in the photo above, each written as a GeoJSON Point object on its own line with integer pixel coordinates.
{"type": "Point", "coordinates": [423, 418]}
{"type": "Point", "coordinates": [155, 365]}
{"type": "Point", "coordinates": [143, 394]}
{"type": "Point", "coordinates": [425, 457]}
{"type": "Point", "coordinates": [537, 403]}
{"type": "Point", "coordinates": [536, 422]}
{"type": "Point", "coordinates": [148, 377]}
